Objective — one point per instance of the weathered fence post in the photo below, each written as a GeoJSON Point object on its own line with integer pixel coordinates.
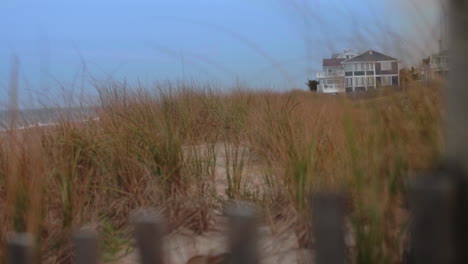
{"type": "Point", "coordinates": [328, 227]}
{"type": "Point", "coordinates": [148, 225]}
{"type": "Point", "coordinates": [243, 221]}
{"type": "Point", "coordinates": [456, 118]}
{"type": "Point", "coordinates": [432, 201]}
{"type": "Point", "coordinates": [20, 249]}
{"type": "Point", "coordinates": [86, 247]}
{"type": "Point", "coordinates": [457, 93]}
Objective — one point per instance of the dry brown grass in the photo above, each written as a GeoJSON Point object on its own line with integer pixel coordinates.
{"type": "Point", "coordinates": [145, 151]}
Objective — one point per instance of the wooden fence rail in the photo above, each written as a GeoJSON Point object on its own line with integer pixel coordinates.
{"type": "Point", "coordinates": [86, 247]}
{"type": "Point", "coordinates": [20, 248]}
{"type": "Point", "coordinates": [433, 205]}
{"type": "Point", "coordinates": [432, 199]}
{"type": "Point", "coordinates": [242, 236]}
{"type": "Point", "coordinates": [328, 220]}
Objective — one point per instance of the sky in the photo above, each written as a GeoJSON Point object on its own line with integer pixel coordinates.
{"type": "Point", "coordinates": [64, 47]}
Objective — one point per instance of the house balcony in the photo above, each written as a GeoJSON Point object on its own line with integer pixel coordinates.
{"type": "Point", "coordinates": [331, 88]}
{"type": "Point", "coordinates": [441, 66]}
{"type": "Point", "coordinates": [333, 74]}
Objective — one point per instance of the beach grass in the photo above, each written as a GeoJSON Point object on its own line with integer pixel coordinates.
{"type": "Point", "coordinates": [157, 147]}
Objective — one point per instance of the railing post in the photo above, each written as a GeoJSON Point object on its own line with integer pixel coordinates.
{"type": "Point", "coordinates": [432, 201]}
{"type": "Point", "coordinates": [243, 221]}
{"type": "Point", "coordinates": [328, 227]}
{"type": "Point", "coordinates": [86, 247]}
{"type": "Point", "coordinates": [20, 248]}
{"type": "Point", "coordinates": [148, 230]}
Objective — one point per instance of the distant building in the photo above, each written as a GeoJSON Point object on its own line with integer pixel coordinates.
{"type": "Point", "coordinates": [347, 54]}
{"type": "Point", "coordinates": [332, 78]}
{"type": "Point", "coordinates": [349, 72]}
{"type": "Point", "coordinates": [435, 67]}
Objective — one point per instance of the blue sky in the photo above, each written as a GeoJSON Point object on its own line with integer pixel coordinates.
{"type": "Point", "coordinates": [275, 44]}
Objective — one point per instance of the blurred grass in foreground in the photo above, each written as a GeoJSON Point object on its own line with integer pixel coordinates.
{"type": "Point", "coordinates": [156, 147]}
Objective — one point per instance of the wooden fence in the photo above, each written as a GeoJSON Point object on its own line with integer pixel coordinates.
{"type": "Point", "coordinates": [242, 236]}
{"type": "Point", "coordinates": [436, 234]}
{"type": "Point", "coordinates": [433, 201]}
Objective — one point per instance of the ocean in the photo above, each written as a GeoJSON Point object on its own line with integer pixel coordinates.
{"type": "Point", "coordinates": [44, 116]}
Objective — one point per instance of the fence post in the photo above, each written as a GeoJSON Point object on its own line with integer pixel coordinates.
{"type": "Point", "coordinates": [457, 112]}
{"type": "Point", "coordinates": [86, 247]}
{"type": "Point", "coordinates": [148, 230]}
{"type": "Point", "coordinates": [328, 227]}
{"type": "Point", "coordinates": [457, 93]}
{"type": "Point", "coordinates": [432, 201]}
{"type": "Point", "coordinates": [20, 247]}
{"type": "Point", "coordinates": [243, 221]}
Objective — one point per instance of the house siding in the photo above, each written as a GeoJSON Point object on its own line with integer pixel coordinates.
{"type": "Point", "coordinates": [378, 69]}
{"type": "Point", "coordinates": [332, 68]}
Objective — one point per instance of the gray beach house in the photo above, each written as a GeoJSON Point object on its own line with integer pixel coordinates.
{"type": "Point", "coordinates": [350, 72]}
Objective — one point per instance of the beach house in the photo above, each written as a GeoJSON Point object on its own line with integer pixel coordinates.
{"type": "Point", "coordinates": [350, 72]}
{"type": "Point", "coordinates": [370, 70]}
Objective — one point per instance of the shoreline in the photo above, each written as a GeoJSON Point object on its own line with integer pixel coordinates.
{"type": "Point", "coordinates": [43, 124]}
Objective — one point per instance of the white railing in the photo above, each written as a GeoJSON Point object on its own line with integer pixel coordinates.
{"type": "Point", "coordinates": [340, 73]}
{"type": "Point", "coordinates": [330, 88]}
{"type": "Point", "coordinates": [439, 66]}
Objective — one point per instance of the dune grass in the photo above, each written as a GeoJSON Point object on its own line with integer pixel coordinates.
{"type": "Point", "coordinates": [156, 147]}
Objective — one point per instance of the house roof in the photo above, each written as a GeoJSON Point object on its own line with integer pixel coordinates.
{"type": "Point", "coordinates": [370, 55]}
{"type": "Point", "coordinates": [332, 62]}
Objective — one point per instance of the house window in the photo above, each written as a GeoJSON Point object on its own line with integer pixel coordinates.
{"type": "Point", "coordinates": [370, 66]}
{"type": "Point", "coordinates": [386, 65]}
{"type": "Point", "coordinates": [359, 81]}
{"type": "Point", "coordinates": [348, 67]}
{"type": "Point", "coordinates": [330, 82]}
{"type": "Point", "coordinates": [359, 67]}
{"type": "Point", "coordinates": [349, 82]}
{"type": "Point", "coordinates": [386, 80]}
{"type": "Point", "coordinates": [370, 81]}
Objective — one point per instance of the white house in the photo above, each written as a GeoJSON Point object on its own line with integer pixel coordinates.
{"type": "Point", "coordinates": [435, 67]}
{"type": "Point", "coordinates": [332, 78]}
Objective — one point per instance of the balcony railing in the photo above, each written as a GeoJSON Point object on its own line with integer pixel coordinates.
{"type": "Point", "coordinates": [321, 75]}
{"type": "Point", "coordinates": [330, 88]}
{"type": "Point", "coordinates": [439, 66]}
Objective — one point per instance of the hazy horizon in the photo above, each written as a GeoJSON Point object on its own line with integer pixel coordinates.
{"type": "Point", "coordinates": [273, 44]}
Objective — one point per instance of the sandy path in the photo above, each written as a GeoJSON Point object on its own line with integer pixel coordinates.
{"type": "Point", "coordinates": [182, 244]}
